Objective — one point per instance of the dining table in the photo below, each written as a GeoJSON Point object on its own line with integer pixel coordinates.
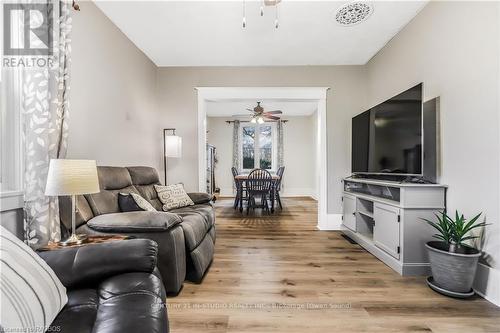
{"type": "Point", "coordinates": [240, 182]}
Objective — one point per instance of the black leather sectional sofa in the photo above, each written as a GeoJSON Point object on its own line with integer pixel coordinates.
{"type": "Point", "coordinates": [112, 288]}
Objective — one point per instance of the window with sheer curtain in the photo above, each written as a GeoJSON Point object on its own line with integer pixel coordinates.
{"type": "Point", "coordinates": [258, 146]}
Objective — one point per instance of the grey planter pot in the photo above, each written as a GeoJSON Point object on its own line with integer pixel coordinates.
{"type": "Point", "coordinates": [453, 271]}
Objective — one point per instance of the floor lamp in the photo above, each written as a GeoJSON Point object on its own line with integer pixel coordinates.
{"type": "Point", "coordinates": [172, 147]}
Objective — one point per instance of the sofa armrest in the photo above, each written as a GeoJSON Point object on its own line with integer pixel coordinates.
{"type": "Point", "coordinates": [200, 197]}
{"type": "Point", "coordinates": [90, 264]}
{"type": "Point", "coordinates": [134, 222]}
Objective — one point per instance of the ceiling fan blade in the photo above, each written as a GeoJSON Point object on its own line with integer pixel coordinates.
{"type": "Point", "coordinates": [271, 117]}
{"type": "Point", "coordinates": [274, 112]}
{"type": "Point", "coordinates": [250, 110]}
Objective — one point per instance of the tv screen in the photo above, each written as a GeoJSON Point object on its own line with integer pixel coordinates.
{"type": "Point", "coordinates": [388, 137]}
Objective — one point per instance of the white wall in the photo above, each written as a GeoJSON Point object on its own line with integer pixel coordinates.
{"type": "Point", "coordinates": [113, 107]}
{"type": "Point", "coordinates": [453, 48]}
{"type": "Point", "coordinates": [299, 154]}
{"type": "Point", "coordinates": [220, 134]}
{"type": "Point", "coordinates": [178, 103]}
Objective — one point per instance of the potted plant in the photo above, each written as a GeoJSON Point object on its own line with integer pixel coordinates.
{"type": "Point", "coordinates": [453, 262]}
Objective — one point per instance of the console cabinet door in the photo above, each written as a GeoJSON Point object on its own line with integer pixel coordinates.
{"type": "Point", "coordinates": [349, 212]}
{"type": "Point", "coordinates": [386, 229]}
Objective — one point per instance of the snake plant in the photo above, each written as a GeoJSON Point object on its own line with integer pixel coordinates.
{"type": "Point", "coordinates": [455, 231]}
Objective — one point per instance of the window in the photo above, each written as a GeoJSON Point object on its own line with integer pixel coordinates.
{"type": "Point", "coordinates": [10, 125]}
{"type": "Point", "coordinates": [10, 133]}
{"type": "Point", "coordinates": [11, 149]}
{"type": "Point", "coordinates": [258, 146]}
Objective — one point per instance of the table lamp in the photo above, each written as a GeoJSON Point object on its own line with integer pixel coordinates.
{"type": "Point", "coordinates": [72, 177]}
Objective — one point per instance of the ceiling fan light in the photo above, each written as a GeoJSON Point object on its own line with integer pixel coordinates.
{"type": "Point", "coordinates": [253, 120]}
{"type": "Point", "coordinates": [260, 120]}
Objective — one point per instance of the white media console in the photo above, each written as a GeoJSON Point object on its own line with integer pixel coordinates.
{"type": "Point", "coordinates": [385, 218]}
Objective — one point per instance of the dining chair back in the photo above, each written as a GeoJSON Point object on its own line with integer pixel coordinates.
{"type": "Point", "coordinates": [277, 185]}
{"type": "Point", "coordinates": [279, 173]}
{"type": "Point", "coordinates": [259, 184]}
{"type": "Point", "coordinates": [239, 188]}
{"type": "Point", "coordinates": [259, 180]}
{"type": "Point", "coordinates": [234, 171]}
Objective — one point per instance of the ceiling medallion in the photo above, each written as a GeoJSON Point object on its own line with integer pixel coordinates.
{"type": "Point", "coordinates": [263, 3]}
{"type": "Point", "coordinates": [353, 13]}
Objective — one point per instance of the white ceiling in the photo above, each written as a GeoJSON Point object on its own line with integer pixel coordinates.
{"type": "Point", "coordinates": [209, 33]}
{"type": "Point", "coordinates": [238, 108]}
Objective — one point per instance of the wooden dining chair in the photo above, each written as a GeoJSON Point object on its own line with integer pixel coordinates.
{"type": "Point", "coordinates": [259, 184]}
{"type": "Point", "coordinates": [277, 185]}
{"type": "Point", "coordinates": [240, 188]}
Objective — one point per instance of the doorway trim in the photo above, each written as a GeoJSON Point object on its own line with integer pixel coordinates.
{"type": "Point", "coordinates": [317, 94]}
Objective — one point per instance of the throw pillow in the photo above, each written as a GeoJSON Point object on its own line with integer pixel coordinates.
{"type": "Point", "coordinates": [130, 202]}
{"type": "Point", "coordinates": [173, 196]}
{"type": "Point", "coordinates": [31, 293]}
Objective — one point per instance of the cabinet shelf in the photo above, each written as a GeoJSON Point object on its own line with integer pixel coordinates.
{"type": "Point", "coordinates": [370, 215]}
{"type": "Point", "coordinates": [386, 219]}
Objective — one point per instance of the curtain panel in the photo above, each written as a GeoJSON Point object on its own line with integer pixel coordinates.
{"type": "Point", "coordinates": [236, 148]}
{"type": "Point", "coordinates": [45, 111]}
{"type": "Point", "coordinates": [280, 147]}
{"type": "Point", "coordinates": [279, 129]}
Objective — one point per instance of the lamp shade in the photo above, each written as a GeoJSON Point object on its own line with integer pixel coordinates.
{"type": "Point", "coordinates": [72, 177]}
{"type": "Point", "coordinates": [173, 146]}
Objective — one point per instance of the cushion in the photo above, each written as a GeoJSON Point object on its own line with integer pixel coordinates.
{"type": "Point", "coordinates": [173, 196]}
{"type": "Point", "coordinates": [31, 293]}
{"type": "Point", "coordinates": [132, 222]}
{"type": "Point", "coordinates": [200, 197]}
{"type": "Point", "coordinates": [113, 178]}
{"type": "Point", "coordinates": [142, 175]}
{"type": "Point", "coordinates": [196, 222]}
{"type": "Point", "coordinates": [148, 192]}
{"type": "Point", "coordinates": [130, 202]}
{"type": "Point", "coordinates": [106, 201]}
{"type": "Point", "coordinates": [205, 211]}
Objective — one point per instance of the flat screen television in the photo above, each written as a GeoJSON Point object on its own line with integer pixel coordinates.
{"type": "Point", "coordinates": [387, 139]}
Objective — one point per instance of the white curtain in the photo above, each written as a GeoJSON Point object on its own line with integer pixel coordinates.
{"type": "Point", "coordinates": [279, 129]}
{"type": "Point", "coordinates": [236, 148]}
{"type": "Point", "coordinates": [44, 106]}
{"type": "Point", "coordinates": [236, 145]}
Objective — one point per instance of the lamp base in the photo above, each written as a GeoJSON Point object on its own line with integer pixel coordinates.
{"type": "Point", "coordinates": [75, 239]}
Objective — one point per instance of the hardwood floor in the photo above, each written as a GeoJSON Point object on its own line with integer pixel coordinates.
{"type": "Point", "coordinates": [279, 274]}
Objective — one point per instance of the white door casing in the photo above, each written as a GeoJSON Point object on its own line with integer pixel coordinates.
{"type": "Point", "coordinates": [276, 93]}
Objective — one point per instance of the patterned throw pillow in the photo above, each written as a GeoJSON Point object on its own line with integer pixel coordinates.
{"type": "Point", "coordinates": [31, 293]}
{"type": "Point", "coordinates": [130, 202]}
{"type": "Point", "coordinates": [173, 196]}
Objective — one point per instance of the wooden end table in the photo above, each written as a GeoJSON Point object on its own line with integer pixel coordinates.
{"type": "Point", "coordinates": [90, 240]}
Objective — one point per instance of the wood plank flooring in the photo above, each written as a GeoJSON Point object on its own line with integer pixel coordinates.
{"type": "Point", "coordinates": [279, 274]}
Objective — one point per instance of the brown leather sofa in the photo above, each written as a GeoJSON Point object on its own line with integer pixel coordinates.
{"type": "Point", "coordinates": [185, 236]}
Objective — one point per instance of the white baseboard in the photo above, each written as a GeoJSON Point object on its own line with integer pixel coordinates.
{"type": "Point", "coordinates": [333, 222]}
{"type": "Point", "coordinates": [487, 283]}
{"type": "Point", "coordinates": [297, 192]}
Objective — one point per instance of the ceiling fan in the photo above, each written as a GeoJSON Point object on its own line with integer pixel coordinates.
{"type": "Point", "coordinates": [260, 115]}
